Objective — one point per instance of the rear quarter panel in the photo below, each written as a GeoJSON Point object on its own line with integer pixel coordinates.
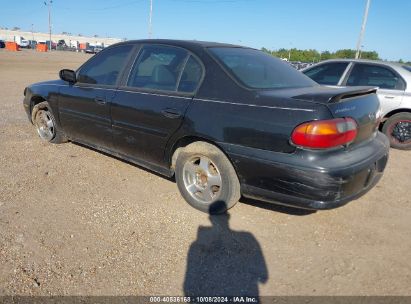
{"type": "Point", "coordinates": [266, 127]}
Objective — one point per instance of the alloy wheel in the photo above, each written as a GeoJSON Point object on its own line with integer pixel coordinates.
{"type": "Point", "coordinates": [401, 132]}
{"type": "Point", "coordinates": [202, 179]}
{"type": "Point", "coordinates": [45, 125]}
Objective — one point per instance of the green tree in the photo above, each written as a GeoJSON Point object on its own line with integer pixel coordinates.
{"type": "Point", "coordinates": [326, 55]}
{"type": "Point", "coordinates": [345, 53]}
{"type": "Point", "coordinates": [266, 50]}
{"type": "Point", "coordinates": [370, 55]}
{"type": "Point", "coordinates": [312, 55]}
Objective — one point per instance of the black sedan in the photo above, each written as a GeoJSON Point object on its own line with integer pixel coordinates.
{"type": "Point", "coordinates": [224, 120]}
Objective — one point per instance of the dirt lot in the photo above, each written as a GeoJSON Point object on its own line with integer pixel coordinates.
{"type": "Point", "coordinates": [76, 222]}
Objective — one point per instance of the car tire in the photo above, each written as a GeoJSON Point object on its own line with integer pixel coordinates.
{"type": "Point", "coordinates": [45, 124]}
{"type": "Point", "coordinates": [206, 178]}
{"type": "Point", "coordinates": [398, 130]}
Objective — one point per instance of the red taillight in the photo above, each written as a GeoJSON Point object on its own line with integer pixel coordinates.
{"type": "Point", "coordinates": [323, 134]}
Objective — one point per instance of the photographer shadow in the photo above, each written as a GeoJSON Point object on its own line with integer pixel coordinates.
{"type": "Point", "coordinates": [224, 262]}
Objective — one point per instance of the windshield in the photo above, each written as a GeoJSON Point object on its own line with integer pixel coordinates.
{"type": "Point", "coordinates": [258, 70]}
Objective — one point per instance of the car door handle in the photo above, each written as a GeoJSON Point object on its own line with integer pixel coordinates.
{"type": "Point", "coordinates": [100, 100]}
{"type": "Point", "coordinates": [390, 97]}
{"type": "Point", "coordinates": [171, 113]}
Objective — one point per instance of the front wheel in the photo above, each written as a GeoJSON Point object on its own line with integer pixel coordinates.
{"type": "Point", "coordinates": [45, 123]}
{"type": "Point", "coordinates": [206, 178]}
{"type": "Point", "coordinates": [398, 130]}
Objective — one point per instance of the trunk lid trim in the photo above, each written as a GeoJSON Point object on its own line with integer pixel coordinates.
{"type": "Point", "coordinates": [336, 95]}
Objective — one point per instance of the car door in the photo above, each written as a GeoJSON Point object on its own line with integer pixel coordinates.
{"type": "Point", "coordinates": [84, 107]}
{"type": "Point", "coordinates": [331, 73]}
{"type": "Point", "coordinates": [391, 86]}
{"type": "Point", "coordinates": [150, 105]}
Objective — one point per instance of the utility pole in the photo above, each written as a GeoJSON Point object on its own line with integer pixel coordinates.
{"type": "Point", "coordinates": [364, 23]}
{"type": "Point", "coordinates": [150, 20]}
{"type": "Point", "coordinates": [32, 31]}
{"type": "Point", "coordinates": [359, 55]}
{"type": "Point", "coordinates": [49, 7]}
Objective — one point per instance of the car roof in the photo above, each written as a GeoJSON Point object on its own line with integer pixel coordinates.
{"type": "Point", "coordinates": [184, 43]}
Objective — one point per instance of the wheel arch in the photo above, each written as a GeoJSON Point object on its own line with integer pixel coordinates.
{"type": "Point", "coordinates": [184, 141]}
{"type": "Point", "coordinates": [396, 111]}
{"type": "Point", "coordinates": [34, 100]}
{"type": "Point", "coordinates": [393, 112]}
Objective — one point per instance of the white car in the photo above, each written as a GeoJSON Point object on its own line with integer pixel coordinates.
{"type": "Point", "coordinates": [394, 90]}
{"type": "Point", "coordinates": [24, 44]}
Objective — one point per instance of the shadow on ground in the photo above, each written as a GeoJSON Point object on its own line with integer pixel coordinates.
{"type": "Point", "coordinates": [224, 262]}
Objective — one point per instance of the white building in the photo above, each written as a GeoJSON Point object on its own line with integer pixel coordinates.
{"type": "Point", "coordinates": [8, 35]}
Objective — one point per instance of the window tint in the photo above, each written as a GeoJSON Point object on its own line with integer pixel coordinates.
{"type": "Point", "coordinates": [106, 66]}
{"type": "Point", "coordinates": [328, 73]}
{"type": "Point", "coordinates": [191, 76]}
{"type": "Point", "coordinates": [258, 70]}
{"type": "Point", "coordinates": [374, 75]}
{"type": "Point", "coordinates": [158, 67]}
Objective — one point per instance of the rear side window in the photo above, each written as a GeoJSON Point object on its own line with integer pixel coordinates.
{"type": "Point", "coordinates": [375, 75]}
{"type": "Point", "coordinates": [158, 68]}
{"type": "Point", "coordinates": [191, 76]}
{"type": "Point", "coordinates": [258, 70]}
{"type": "Point", "coordinates": [328, 73]}
{"type": "Point", "coordinates": [105, 67]}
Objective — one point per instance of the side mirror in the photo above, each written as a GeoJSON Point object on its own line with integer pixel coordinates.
{"type": "Point", "coordinates": [68, 75]}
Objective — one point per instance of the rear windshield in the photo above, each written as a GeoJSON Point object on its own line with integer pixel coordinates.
{"type": "Point", "coordinates": [407, 67]}
{"type": "Point", "coordinates": [258, 70]}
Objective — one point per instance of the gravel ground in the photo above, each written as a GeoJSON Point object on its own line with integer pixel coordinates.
{"type": "Point", "coordinates": [77, 222]}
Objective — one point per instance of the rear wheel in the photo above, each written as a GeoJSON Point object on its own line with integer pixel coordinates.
{"type": "Point", "coordinates": [45, 123]}
{"type": "Point", "coordinates": [206, 179]}
{"type": "Point", "coordinates": [398, 130]}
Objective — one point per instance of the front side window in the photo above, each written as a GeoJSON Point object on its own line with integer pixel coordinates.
{"type": "Point", "coordinates": [158, 68]}
{"type": "Point", "coordinates": [258, 70]}
{"type": "Point", "coordinates": [328, 73]}
{"type": "Point", "coordinates": [375, 75]}
{"type": "Point", "coordinates": [105, 68]}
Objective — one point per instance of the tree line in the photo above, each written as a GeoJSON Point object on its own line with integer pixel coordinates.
{"type": "Point", "coordinates": [312, 55]}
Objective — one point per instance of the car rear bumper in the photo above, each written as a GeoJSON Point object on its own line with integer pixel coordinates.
{"type": "Point", "coordinates": [311, 179]}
